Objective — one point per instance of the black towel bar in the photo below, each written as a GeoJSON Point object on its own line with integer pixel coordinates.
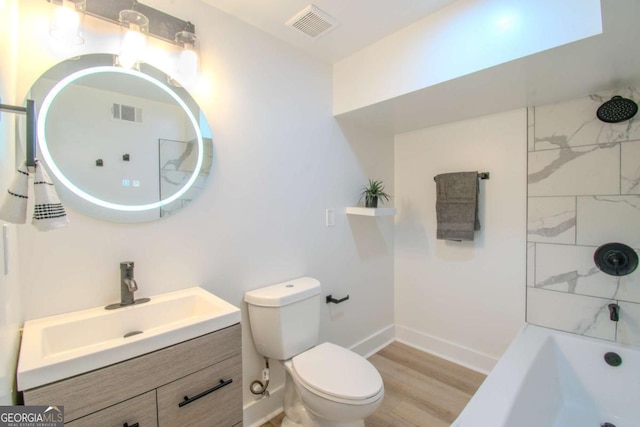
{"type": "Point", "coordinates": [481, 175]}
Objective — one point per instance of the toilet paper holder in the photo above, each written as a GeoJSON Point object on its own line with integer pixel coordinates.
{"type": "Point", "coordinates": [333, 300]}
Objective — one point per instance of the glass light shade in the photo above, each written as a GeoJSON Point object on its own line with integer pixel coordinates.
{"type": "Point", "coordinates": [133, 43]}
{"type": "Point", "coordinates": [188, 66]}
{"type": "Point", "coordinates": [65, 23]}
{"type": "Point", "coordinates": [188, 61]}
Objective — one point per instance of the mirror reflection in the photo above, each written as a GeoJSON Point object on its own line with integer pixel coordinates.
{"type": "Point", "coordinates": [122, 145]}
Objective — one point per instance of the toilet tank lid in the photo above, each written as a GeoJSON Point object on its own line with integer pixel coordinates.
{"type": "Point", "coordinates": [283, 293]}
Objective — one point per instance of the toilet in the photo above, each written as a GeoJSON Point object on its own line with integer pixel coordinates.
{"type": "Point", "coordinates": [326, 385]}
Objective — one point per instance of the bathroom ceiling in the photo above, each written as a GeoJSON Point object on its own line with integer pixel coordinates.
{"type": "Point", "coordinates": [607, 61]}
{"type": "Point", "coordinates": [360, 22]}
{"type": "Point", "coordinates": [598, 63]}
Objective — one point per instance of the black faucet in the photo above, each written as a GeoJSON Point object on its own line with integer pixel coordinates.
{"type": "Point", "coordinates": [128, 286]}
{"type": "Point", "coordinates": [614, 312]}
{"type": "Point", "coordinates": [127, 283]}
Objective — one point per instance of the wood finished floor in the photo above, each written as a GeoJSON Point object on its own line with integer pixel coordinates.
{"type": "Point", "coordinates": [420, 389]}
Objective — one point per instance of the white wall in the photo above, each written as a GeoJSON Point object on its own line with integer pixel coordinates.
{"type": "Point", "coordinates": [10, 303]}
{"type": "Point", "coordinates": [460, 39]}
{"type": "Point", "coordinates": [462, 300]}
{"type": "Point", "coordinates": [280, 159]}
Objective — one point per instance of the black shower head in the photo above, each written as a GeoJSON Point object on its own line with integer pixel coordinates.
{"type": "Point", "coordinates": [617, 109]}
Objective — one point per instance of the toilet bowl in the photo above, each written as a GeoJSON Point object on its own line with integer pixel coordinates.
{"type": "Point", "coordinates": [337, 386]}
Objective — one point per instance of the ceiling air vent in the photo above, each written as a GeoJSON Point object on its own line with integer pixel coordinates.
{"type": "Point", "coordinates": [312, 21]}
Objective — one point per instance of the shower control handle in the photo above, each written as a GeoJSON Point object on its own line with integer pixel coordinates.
{"type": "Point", "coordinates": [614, 312]}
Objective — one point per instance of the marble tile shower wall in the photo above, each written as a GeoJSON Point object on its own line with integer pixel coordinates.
{"type": "Point", "coordinates": [583, 191]}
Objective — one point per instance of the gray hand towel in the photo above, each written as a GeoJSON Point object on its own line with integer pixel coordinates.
{"type": "Point", "coordinates": [457, 205]}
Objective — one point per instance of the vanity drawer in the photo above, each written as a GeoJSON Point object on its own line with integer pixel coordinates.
{"type": "Point", "coordinates": [139, 411]}
{"type": "Point", "coordinates": [220, 408]}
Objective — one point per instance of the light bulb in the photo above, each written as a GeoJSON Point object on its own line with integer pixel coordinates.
{"type": "Point", "coordinates": [133, 46]}
{"type": "Point", "coordinates": [65, 24]}
{"type": "Point", "coordinates": [188, 66]}
{"type": "Point", "coordinates": [134, 27]}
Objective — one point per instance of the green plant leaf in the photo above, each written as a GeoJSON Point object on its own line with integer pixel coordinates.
{"type": "Point", "coordinates": [374, 189]}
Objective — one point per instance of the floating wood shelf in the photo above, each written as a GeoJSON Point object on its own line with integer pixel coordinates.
{"type": "Point", "coordinates": [357, 210]}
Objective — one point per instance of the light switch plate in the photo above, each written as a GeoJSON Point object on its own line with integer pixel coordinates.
{"type": "Point", "coordinates": [5, 248]}
{"type": "Point", "coordinates": [330, 217]}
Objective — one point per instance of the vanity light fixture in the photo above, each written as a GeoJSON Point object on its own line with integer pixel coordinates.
{"type": "Point", "coordinates": [134, 27]}
{"type": "Point", "coordinates": [137, 21]}
{"type": "Point", "coordinates": [65, 22]}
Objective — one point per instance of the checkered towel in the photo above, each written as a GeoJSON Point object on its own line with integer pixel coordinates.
{"type": "Point", "coordinates": [48, 212]}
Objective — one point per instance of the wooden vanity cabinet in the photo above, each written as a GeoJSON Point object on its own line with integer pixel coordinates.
{"type": "Point", "coordinates": [151, 390]}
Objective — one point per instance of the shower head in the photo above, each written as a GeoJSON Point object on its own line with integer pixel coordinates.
{"type": "Point", "coordinates": [617, 109]}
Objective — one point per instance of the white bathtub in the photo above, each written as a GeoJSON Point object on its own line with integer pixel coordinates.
{"type": "Point", "coordinates": [548, 378]}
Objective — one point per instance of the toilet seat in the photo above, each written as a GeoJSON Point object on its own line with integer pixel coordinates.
{"type": "Point", "coordinates": [338, 374]}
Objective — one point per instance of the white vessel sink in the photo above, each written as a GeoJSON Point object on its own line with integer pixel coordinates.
{"type": "Point", "coordinates": [69, 344]}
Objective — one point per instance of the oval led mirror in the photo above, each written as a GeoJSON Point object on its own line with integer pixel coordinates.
{"type": "Point", "coordinates": [121, 145]}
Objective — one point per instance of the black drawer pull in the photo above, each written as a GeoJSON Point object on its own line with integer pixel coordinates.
{"type": "Point", "coordinates": [132, 425]}
{"type": "Point", "coordinates": [218, 386]}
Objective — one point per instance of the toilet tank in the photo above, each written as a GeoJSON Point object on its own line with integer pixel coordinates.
{"type": "Point", "coordinates": [285, 318]}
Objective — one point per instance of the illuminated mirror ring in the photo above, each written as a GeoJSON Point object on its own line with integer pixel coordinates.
{"type": "Point", "coordinates": [44, 149]}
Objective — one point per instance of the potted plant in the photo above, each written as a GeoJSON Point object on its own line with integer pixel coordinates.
{"type": "Point", "coordinates": [373, 192]}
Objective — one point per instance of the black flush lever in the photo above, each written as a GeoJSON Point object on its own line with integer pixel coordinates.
{"type": "Point", "coordinates": [330, 298]}
{"type": "Point", "coordinates": [614, 312]}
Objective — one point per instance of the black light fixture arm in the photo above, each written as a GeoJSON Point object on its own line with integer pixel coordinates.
{"type": "Point", "coordinates": [30, 111]}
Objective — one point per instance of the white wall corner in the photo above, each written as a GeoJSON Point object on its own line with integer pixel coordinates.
{"type": "Point", "coordinates": [375, 342]}
{"type": "Point", "coordinates": [447, 350]}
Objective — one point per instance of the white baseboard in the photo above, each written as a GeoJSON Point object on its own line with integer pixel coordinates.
{"type": "Point", "coordinates": [447, 350]}
{"type": "Point", "coordinates": [254, 412]}
{"type": "Point", "coordinates": [375, 342]}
